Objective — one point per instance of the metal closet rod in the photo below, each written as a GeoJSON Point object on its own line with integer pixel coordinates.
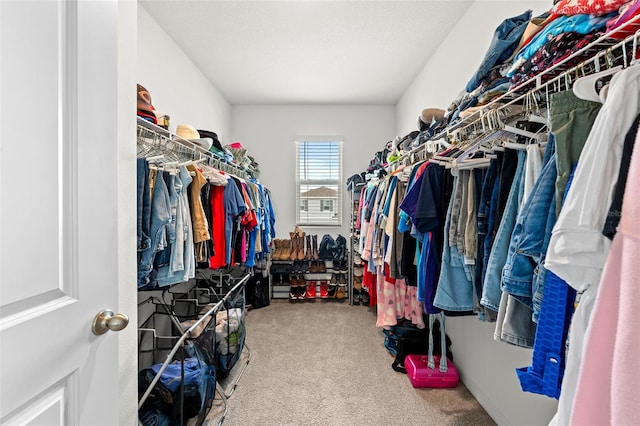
{"type": "Point", "coordinates": [186, 334]}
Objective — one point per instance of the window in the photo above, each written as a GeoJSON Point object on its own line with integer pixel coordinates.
{"type": "Point", "coordinates": [319, 182]}
{"type": "Point", "coordinates": [326, 205]}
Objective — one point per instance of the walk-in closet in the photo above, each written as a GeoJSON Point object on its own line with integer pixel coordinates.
{"type": "Point", "coordinates": [319, 212]}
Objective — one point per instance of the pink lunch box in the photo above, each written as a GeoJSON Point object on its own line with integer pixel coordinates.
{"type": "Point", "coordinates": [421, 376]}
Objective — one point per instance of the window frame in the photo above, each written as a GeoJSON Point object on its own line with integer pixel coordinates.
{"type": "Point", "coordinates": [334, 216]}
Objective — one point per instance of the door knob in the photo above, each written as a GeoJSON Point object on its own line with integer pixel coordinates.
{"type": "Point", "coordinates": [106, 320]}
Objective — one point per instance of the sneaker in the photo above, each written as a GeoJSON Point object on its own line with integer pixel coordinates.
{"type": "Point", "coordinates": [331, 293]}
{"type": "Point", "coordinates": [324, 289]}
{"type": "Point", "coordinates": [356, 297]}
{"type": "Point", "coordinates": [311, 290]}
{"type": "Point", "coordinates": [302, 289]}
{"type": "Point", "coordinates": [341, 292]}
{"type": "Point", "coordinates": [293, 293]}
{"type": "Point", "coordinates": [364, 294]}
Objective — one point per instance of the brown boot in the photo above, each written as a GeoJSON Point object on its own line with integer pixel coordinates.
{"type": "Point", "coordinates": [308, 254]}
{"type": "Point", "coordinates": [276, 250]}
{"type": "Point", "coordinates": [293, 246]}
{"type": "Point", "coordinates": [300, 255]}
{"type": "Point", "coordinates": [314, 252]}
{"type": "Point", "coordinates": [284, 250]}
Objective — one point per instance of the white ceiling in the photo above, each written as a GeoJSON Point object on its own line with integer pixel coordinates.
{"type": "Point", "coordinates": [308, 52]}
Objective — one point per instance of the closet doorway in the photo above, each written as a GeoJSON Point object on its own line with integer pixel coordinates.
{"type": "Point", "coordinates": [61, 244]}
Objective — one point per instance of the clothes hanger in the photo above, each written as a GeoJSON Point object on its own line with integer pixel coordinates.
{"type": "Point", "coordinates": [471, 148]}
{"type": "Point", "coordinates": [533, 112]}
{"type": "Point", "coordinates": [478, 163]}
{"type": "Point", "coordinates": [587, 87]}
{"type": "Point", "coordinates": [192, 162]}
{"type": "Point", "coordinates": [155, 158]}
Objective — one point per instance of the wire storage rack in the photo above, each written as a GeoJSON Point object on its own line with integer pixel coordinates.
{"type": "Point", "coordinates": [154, 140]}
{"type": "Point", "coordinates": [618, 47]}
{"type": "Point", "coordinates": [188, 345]}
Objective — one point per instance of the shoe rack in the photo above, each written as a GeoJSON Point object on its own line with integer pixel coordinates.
{"type": "Point", "coordinates": [297, 272]}
{"type": "Point", "coordinates": [296, 283]}
{"type": "Point", "coordinates": [358, 294]}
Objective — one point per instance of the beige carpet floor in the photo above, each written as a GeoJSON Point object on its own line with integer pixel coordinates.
{"type": "Point", "coordinates": [324, 363]}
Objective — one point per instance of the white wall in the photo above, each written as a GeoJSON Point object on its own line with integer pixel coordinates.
{"type": "Point", "coordinates": [447, 72]}
{"type": "Point", "coordinates": [269, 132]}
{"type": "Point", "coordinates": [487, 367]}
{"type": "Point", "coordinates": [176, 85]}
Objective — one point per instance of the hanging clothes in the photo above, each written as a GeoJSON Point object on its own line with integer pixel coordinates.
{"type": "Point", "coordinates": [607, 382]}
{"type": "Point", "coordinates": [218, 225]}
{"type": "Point", "coordinates": [578, 250]}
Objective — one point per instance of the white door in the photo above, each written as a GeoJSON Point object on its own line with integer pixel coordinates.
{"type": "Point", "coordinates": [59, 209]}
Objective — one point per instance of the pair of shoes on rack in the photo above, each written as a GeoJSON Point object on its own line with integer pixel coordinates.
{"type": "Point", "coordinates": [282, 249]}
{"type": "Point", "coordinates": [359, 293]}
{"type": "Point", "coordinates": [356, 297]}
{"type": "Point", "coordinates": [364, 297]}
{"type": "Point", "coordinates": [338, 278]}
{"type": "Point", "coordinates": [298, 288]}
{"type": "Point", "coordinates": [293, 293]}
{"type": "Point", "coordinates": [300, 267]}
{"type": "Point", "coordinates": [317, 266]}
{"type": "Point", "coordinates": [340, 266]}
{"type": "Point", "coordinates": [338, 286]}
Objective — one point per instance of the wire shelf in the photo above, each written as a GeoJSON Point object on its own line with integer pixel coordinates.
{"type": "Point", "coordinates": [153, 140]}
{"type": "Point", "coordinates": [618, 47]}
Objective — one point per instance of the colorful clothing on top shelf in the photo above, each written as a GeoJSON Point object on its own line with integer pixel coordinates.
{"type": "Point", "coordinates": [582, 24]}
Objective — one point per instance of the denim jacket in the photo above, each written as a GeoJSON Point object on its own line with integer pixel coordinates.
{"type": "Point", "coordinates": [505, 41]}
{"type": "Point", "coordinates": [160, 218]}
